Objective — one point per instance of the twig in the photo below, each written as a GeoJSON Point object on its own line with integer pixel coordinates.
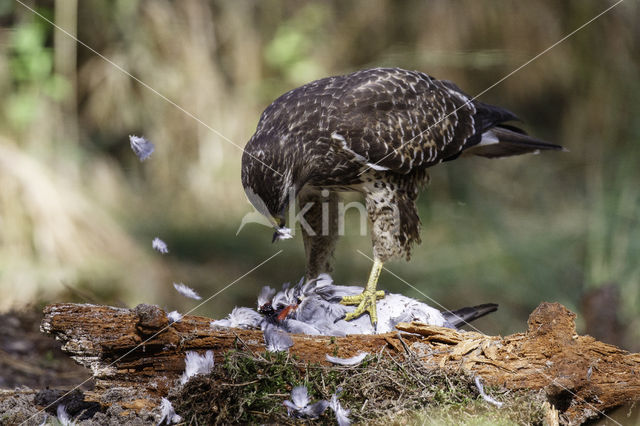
{"type": "Point", "coordinates": [247, 346]}
{"type": "Point", "coordinates": [406, 347]}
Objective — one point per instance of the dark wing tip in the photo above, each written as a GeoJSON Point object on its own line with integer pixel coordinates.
{"type": "Point", "coordinates": [463, 316]}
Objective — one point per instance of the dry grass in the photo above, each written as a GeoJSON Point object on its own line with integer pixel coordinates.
{"type": "Point", "coordinates": [54, 235]}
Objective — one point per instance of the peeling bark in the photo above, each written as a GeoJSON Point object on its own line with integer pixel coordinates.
{"type": "Point", "coordinates": [139, 352]}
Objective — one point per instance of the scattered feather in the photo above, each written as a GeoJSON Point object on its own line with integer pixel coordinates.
{"type": "Point", "coordinates": [300, 396]}
{"type": "Point", "coordinates": [168, 414]}
{"type": "Point", "coordinates": [245, 318]}
{"type": "Point", "coordinates": [159, 245]}
{"type": "Point", "coordinates": [284, 298]}
{"type": "Point", "coordinates": [484, 396]}
{"type": "Point", "coordinates": [196, 364]}
{"type": "Point", "coordinates": [299, 327]}
{"type": "Point", "coordinates": [342, 414]}
{"type": "Point", "coordinates": [324, 279]}
{"type": "Point", "coordinates": [63, 417]}
{"type": "Point", "coordinates": [174, 316]}
{"type": "Point", "coordinates": [282, 233]}
{"type": "Point", "coordinates": [265, 296]}
{"type": "Point", "coordinates": [277, 340]}
{"type": "Point", "coordinates": [354, 360]}
{"type": "Point", "coordinates": [186, 291]}
{"type": "Point", "coordinates": [141, 147]}
{"type": "Point", "coordinates": [299, 406]}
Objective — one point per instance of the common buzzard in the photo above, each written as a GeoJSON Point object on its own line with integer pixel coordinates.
{"type": "Point", "coordinates": [375, 131]}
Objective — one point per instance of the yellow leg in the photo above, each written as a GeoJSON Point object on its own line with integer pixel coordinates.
{"type": "Point", "coordinates": [366, 301]}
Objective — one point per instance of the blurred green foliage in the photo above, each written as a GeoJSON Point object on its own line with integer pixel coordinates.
{"type": "Point", "coordinates": [31, 67]}
{"type": "Point", "coordinates": [290, 52]}
{"type": "Point", "coordinates": [80, 212]}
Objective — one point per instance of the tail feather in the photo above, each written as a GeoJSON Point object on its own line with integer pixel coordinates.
{"type": "Point", "coordinates": [462, 316]}
{"type": "Point", "coordinates": [506, 140]}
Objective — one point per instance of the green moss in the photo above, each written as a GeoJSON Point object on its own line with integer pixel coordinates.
{"type": "Point", "coordinates": [250, 388]}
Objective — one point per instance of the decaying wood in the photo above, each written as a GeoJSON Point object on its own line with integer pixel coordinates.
{"type": "Point", "coordinates": [137, 349]}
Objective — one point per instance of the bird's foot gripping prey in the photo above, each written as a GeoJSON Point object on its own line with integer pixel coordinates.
{"type": "Point", "coordinates": [375, 132]}
{"type": "Point", "coordinates": [366, 300]}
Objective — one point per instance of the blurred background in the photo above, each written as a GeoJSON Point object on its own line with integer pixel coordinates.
{"type": "Point", "coordinates": [78, 210]}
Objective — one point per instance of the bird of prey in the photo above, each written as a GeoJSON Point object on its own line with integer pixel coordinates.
{"type": "Point", "coordinates": [375, 131]}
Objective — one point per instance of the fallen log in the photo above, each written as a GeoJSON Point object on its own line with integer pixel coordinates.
{"type": "Point", "coordinates": [141, 353]}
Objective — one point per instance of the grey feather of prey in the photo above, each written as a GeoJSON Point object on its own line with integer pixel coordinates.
{"type": "Point", "coordinates": [299, 406]}
{"type": "Point", "coordinates": [282, 233]}
{"type": "Point", "coordinates": [240, 317]}
{"type": "Point", "coordinates": [196, 364]}
{"type": "Point", "coordinates": [354, 360]}
{"type": "Point", "coordinates": [276, 340]}
{"type": "Point", "coordinates": [168, 413]}
{"type": "Point", "coordinates": [160, 246]}
{"type": "Point", "coordinates": [174, 316]}
{"type": "Point", "coordinates": [142, 147]}
{"type": "Point", "coordinates": [186, 291]}
{"type": "Point", "coordinates": [342, 414]}
{"type": "Point", "coordinates": [484, 396]}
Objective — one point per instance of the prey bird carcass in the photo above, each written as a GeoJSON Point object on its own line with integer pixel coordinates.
{"type": "Point", "coordinates": [313, 307]}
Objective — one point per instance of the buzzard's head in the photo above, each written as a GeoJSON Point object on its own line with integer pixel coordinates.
{"type": "Point", "coordinates": [270, 187]}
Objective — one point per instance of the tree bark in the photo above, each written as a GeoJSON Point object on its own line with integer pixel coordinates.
{"type": "Point", "coordinates": [139, 352]}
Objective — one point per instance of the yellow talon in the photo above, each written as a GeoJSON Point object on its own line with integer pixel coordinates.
{"type": "Point", "coordinates": [366, 301]}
